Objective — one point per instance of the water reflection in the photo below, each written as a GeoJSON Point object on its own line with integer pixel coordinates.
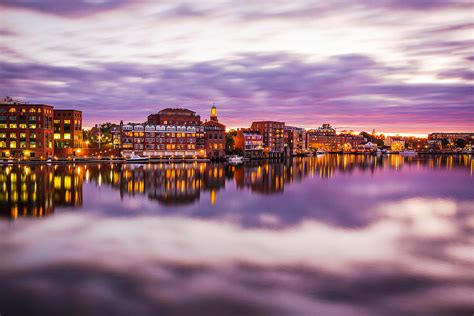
{"type": "Point", "coordinates": [330, 235]}
{"type": "Point", "coordinates": [37, 190]}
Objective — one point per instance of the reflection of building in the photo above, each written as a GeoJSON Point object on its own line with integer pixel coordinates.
{"type": "Point", "coordinates": [182, 117]}
{"type": "Point", "coordinates": [251, 143]}
{"type": "Point", "coordinates": [325, 138]}
{"type": "Point", "coordinates": [68, 186]}
{"type": "Point", "coordinates": [214, 137]}
{"type": "Point", "coordinates": [26, 191]}
{"type": "Point", "coordinates": [295, 140]}
{"type": "Point", "coordinates": [67, 129]}
{"type": "Point", "coordinates": [265, 178]}
{"type": "Point", "coordinates": [26, 130]}
{"type": "Point", "coordinates": [273, 137]}
{"type": "Point", "coordinates": [162, 140]}
{"type": "Point", "coordinates": [167, 183]}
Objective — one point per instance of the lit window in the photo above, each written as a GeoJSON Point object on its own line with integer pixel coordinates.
{"type": "Point", "coordinates": [13, 125]}
{"type": "Point", "coordinates": [32, 125]}
{"type": "Point", "coordinates": [57, 136]}
{"type": "Point", "coordinates": [32, 110]}
{"type": "Point", "coordinates": [3, 125]}
{"type": "Point", "coordinates": [12, 110]}
{"type": "Point", "coordinates": [3, 144]}
{"type": "Point", "coordinates": [13, 144]}
{"type": "Point", "coordinates": [66, 136]}
{"type": "Point", "coordinates": [67, 121]}
{"type": "Point", "coordinates": [22, 135]}
{"type": "Point", "coordinates": [12, 135]}
{"type": "Point", "coordinates": [22, 125]}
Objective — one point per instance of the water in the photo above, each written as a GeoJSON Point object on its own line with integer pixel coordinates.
{"type": "Point", "coordinates": [330, 235]}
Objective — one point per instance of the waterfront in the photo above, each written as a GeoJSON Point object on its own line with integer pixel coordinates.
{"type": "Point", "coordinates": [329, 235]}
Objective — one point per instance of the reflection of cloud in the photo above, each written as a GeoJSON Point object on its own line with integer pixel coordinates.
{"type": "Point", "coordinates": [205, 263]}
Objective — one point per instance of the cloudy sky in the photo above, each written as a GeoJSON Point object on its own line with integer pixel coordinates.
{"type": "Point", "coordinates": [396, 66]}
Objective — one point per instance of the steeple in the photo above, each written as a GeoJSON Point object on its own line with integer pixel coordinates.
{"type": "Point", "coordinates": [213, 116]}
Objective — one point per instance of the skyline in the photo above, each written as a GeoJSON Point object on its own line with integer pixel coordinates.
{"type": "Point", "coordinates": [390, 66]}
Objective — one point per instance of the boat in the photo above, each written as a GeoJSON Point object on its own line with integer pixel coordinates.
{"type": "Point", "coordinates": [408, 152]}
{"type": "Point", "coordinates": [320, 152]}
{"type": "Point", "coordinates": [136, 158]}
{"type": "Point", "coordinates": [235, 159]}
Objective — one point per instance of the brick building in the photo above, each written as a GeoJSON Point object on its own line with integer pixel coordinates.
{"type": "Point", "coordinates": [67, 129]}
{"type": "Point", "coordinates": [214, 136]}
{"type": "Point", "coordinates": [26, 130]}
{"type": "Point", "coordinates": [165, 141]}
{"type": "Point", "coordinates": [273, 137]}
{"type": "Point", "coordinates": [295, 138]}
{"type": "Point", "coordinates": [250, 143]}
{"type": "Point", "coordinates": [325, 138]}
{"type": "Point", "coordinates": [178, 117]}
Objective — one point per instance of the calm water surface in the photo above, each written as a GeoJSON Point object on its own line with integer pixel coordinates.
{"type": "Point", "coordinates": [330, 235]}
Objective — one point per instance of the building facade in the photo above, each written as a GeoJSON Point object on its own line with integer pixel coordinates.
{"type": "Point", "coordinates": [67, 129]}
{"type": "Point", "coordinates": [295, 138]}
{"type": "Point", "coordinates": [162, 141]}
{"type": "Point", "coordinates": [273, 137]}
{"type": "Point", "coordinates": [250, 143]}
{"type": "Point", "coordinates": [26, 130]}
{"type": "Point", "coordinates": [214, 136]}
{"type": "Point", "coordinates": [325, 138]}
{"type": "Point", "coordinates": [395, 143]}
{"type": "Point", "coordinates": [176, 117]}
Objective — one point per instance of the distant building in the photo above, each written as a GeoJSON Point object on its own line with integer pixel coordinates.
{"type": "Point", "coordinates": [469, 137]}
{"type": "Point", "coordinates": [26, 130]}
{"type": "Point", "coordinates": [214, 136]}
{"type": "Point", "coordinates": [295, 139]}
{"type": "Point", "coordinates": [251, 143]}
{"type": "Point", "coordinates": [325, 138]}
{"type": "Point", "coordinates": [395, 143]}
{"type": "Point", "coordinates": [273, 137]}
{"type": "Point", "coordinates": [67, 129]}
{"type": "Point", "coordinates": [167, 141]}
{"type": "Point", "coordinates": [178, 117]}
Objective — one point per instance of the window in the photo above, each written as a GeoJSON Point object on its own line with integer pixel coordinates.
{"type": "Point", "coordinates": [22, 135]}
{"type": "Point", "coordinates": [13, 125]}
{"type": "Point", "coordinates": [3, 144]}
{"type": "Point", "coordinates": [12, 144]}
{"type": "Point", "coordinates": [3, 135]}
{"type": "Point", "coordinates": [32, 110]}
{"type": "Point", "coordinates": [12, 135]}
{"type": "Point", "coordinates": [22, 125]}
{"type": "Point", "coordinates": [3, 125]}
{"type": "Point", "coordinates": [57, 136]}
{"type": "Point", "coordinates": [32, 126]}
{"type": "Point", "coordinates": [12, 110]}
{"type": "Point", "coordinates": [67, 136]}
{"type": "Point", "coordinates": [22, 144]}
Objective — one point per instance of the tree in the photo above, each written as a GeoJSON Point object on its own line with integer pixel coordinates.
{"type": "Point", "coordinates": [444, 143]}
{"type": "Point", "coordinates": [372, 138]}
{"type": "Point", "coordinates": [230, 141]}
{"type": "Point", "coordinates": [461, 143]}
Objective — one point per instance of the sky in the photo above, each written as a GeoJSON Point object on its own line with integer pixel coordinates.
{"type": "Point", "coordinates": [393, 66]}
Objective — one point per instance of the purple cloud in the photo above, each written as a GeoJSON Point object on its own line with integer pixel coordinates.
{"type": "Point", "coordinates": [347, 90]}
{"type": "Point", "coordinates": [76, 8]}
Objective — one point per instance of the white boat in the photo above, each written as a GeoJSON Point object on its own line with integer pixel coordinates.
{"type": "Point", "coordinates": [136, 158]}
{"type": "Point", "coordinates": [320, 152]}
{"type": "Point", "coordinates": [235, 159]}
{"type": "Point", "coordinates": [408, 152]}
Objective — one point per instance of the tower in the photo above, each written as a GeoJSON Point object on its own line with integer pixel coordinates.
{"type": "Point", "coordinates": [213, 113]}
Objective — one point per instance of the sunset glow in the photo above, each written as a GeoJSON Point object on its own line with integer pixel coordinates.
{"type": "Point", "coordinates": [393, 66]}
